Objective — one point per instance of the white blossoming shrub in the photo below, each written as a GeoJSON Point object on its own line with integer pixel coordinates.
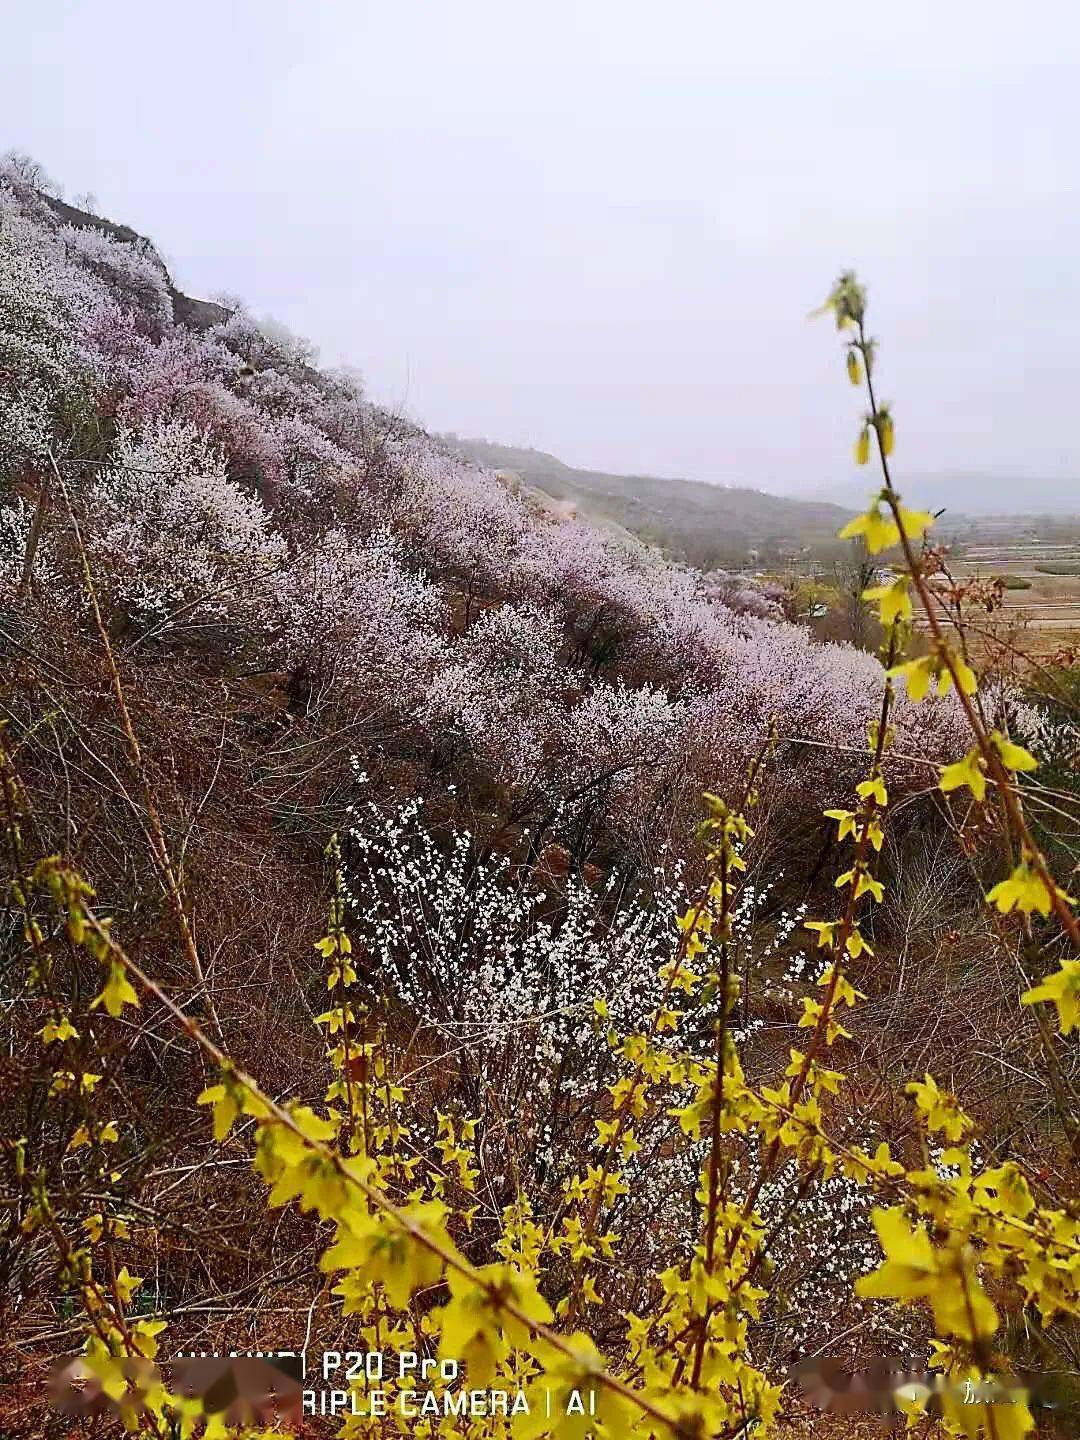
{"type": "Point", "coordinates": [16, 522]}
{"type": "Point", "coordinates": [266, 345]}
{"type": "Point", "coordinates": [500, 692]}
{"type": "Point", "coordinates": [822, 1240]}
{"type": "Point", "coordinates": [572, 566]}
{"type": "Point", "coordinates": [1048, 727]}
{"type": "Point", "coordinates": [763, 600]}
{"type": "Point", "coordinates": [15, 519]}
{"type": "Point", "coordinates": [130, 269]}
{"type": "Point", "coordinates": [181, 546]}
{"type": "Point", "coordinates": [355, 619]}
{"type": "Point", "coordinates": [494, 972]}
{"type": "Point", "coordinates": [623, 729]}
{"type": "Point", "coordinates": [501, 962]}
{"type": "Point", "coordinates": [458, 519]}
{"type": "Point", "coordinates": [482, 953]}
{"type": "Point", "coordinates": [45, 302]}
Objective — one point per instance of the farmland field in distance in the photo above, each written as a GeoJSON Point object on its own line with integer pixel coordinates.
{"type": "Point", "coordinates": [1039, 566]}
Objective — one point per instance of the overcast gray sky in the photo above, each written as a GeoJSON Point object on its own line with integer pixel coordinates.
{"type": "Point", "coordinates": [598, 227]}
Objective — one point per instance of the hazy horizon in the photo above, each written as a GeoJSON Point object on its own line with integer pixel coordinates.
{"type": "Point", "coordinates": [599, 234]}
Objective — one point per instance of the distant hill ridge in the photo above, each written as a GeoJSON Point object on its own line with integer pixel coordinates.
{"type": "Point", "coordinates": [706, 525]}
{"type": "Point", "coordinates": [970, 493]}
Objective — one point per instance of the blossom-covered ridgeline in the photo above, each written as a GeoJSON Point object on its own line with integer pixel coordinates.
{"type": "Point", "coordinates": [240, 500]}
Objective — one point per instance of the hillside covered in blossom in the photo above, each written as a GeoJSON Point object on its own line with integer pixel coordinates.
{"type": "Point", "coordinates": [462, 865]}
{"type": "Point", "coordinates": [251, 514]}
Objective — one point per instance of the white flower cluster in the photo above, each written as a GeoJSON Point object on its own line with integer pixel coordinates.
{"type": "Point", "coordinates": [354, 615]}
{"type": "Point", "coordinates": [475, 947]}
{"type": "Point", "coordinates": [45, 301]}
{"type": "Point", "coordinates": [181, 544]}
{"type": "Point", "coordinates": [1049, 729]}
{"type": "Point", "coordinates": [16, 520]}
{"type": "Point", "coordinates": [504, 970]}
{"type": "Point", "coordinates": [131, 271]}
{"type": "Point", "coordinates": [820, 1242]}
{"type": "Point", "coordinates": [485, 955]}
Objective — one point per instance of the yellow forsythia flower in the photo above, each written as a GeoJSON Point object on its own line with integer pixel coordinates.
{"type": "Point", "coordinates": [826, 931]}
{"type": "Point", "coordinates": [917, 675]}
{"type": "Point", "coordinates": [1013, 757]}
{"type": "Point", "coordinates": [127, 1284]}
{"type": "Point", "coordinates": [855, 945]}
{"type": "Point", "coordinates": [914, 1269]}
{"type": "Point", "coordinates": [915, 522]}
{"type": "Point", "coordinates": [940, 1108]}
{"type": "Point", "coordinates": [867, 885]}
{"type": "Point", "coordinates": [225, 1099]}
{"type": "Point", "coordinates": [846, 819]}
{"type": "Point", "coordinates": [970, 771]}
{"type": "Point", "coordinates": [1063, 988]}
{"type": "Point", "coordinates": [894, 600]}
{"type": "Point", "coordinates": [879, 528]}
{"type": "Point", "coordinates": [875, 786]}
{"type": "Point", "coordinates": [116, 992]}
{"type": "Point", "coordinates": [1025, 890]}
{"type": "Point", "coordinates": [910, 1270]}
{"type": "Point", "coordinates": [61, 1029]}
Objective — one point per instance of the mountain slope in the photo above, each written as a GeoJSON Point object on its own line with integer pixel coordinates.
{"type": "Point", "coordinates": [705, 525]}
{"type": "Point", "coordinates": [255, 515]}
